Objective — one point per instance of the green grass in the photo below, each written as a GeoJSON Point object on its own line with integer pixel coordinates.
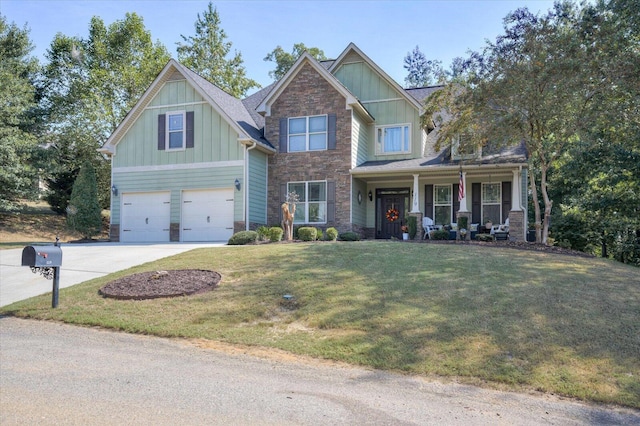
{"type": "Point", "coordinates": [496, 316]}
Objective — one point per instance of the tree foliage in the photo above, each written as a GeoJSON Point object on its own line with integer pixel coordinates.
{"type": "Point", "coordinates": [421, 71]}
{"type": "Point", "coordinates": [89, 85]}
{"type": "Point", "coordinates": [83, 211]}
{"type": "Point", "coordinates": [285, 60]}
{"type": "Point", "coordinates": [18, 70]}
{"type": "Point", "coordinates": [207, 53]}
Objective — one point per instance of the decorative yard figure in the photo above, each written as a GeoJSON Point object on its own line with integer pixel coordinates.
{"type": "Point", "coordinates": [288, 214]}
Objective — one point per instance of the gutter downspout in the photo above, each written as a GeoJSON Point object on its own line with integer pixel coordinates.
{"type": "Point", "coordinates": [246, 184]}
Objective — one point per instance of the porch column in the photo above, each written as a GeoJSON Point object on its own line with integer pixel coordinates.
{"type": "Point", "coordinates": [515, 191]}
{"type": "Point", "coordinates": [463, 202]}
{"type": "Point", "coordinates": [415, 207]}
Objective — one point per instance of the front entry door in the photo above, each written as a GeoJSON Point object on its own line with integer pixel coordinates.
{"type": "Point", "coordinates": [392, 205]}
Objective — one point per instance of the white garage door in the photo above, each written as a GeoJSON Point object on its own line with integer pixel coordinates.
{"type": "Point", "coordinates": [145, 217]}
{"type": "Point", "coordinates": [207, 215]}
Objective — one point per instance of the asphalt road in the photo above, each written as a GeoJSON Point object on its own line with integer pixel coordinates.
{"type": "Point", "coordinates": [57, 374]}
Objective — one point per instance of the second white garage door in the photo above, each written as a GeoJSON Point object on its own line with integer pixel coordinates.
{"type": "Point", "coordinates": [207, 215]}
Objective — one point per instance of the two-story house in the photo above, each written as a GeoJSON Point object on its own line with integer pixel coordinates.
{"type": "Point", "coordinates": [192, 163]}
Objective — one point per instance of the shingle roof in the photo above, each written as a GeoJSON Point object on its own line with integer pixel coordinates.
{"type": "Point", "coordinates": [422, 93]}
{"type": "Point", "coordinates": [232, 106]}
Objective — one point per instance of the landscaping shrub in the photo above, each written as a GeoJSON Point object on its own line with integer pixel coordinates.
{"type": "Point", "coordinates": [332, 234]}
{"type": "Point", "coordinates": [484, 237]}
{"type": "Point", "coordinates": [320, 236]}
{"type": "Point", "coordinates": [412, 223]}
{"type": "Point", "coordinates": [349, 236]}
{"type": "Point", "coordinates": [263, 233]}
{"type": "Point", "coordinates": [441, 234]}
{"type": "Point", "coordinates": [275, 234]}
{"type": "Point", "coordinates": [243, 237]}
{"type": "Point", "coordinates": [307, 233]}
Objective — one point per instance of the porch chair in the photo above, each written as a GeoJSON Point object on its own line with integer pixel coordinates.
{"type": "Point", "coordinates": [428, 226]}
{"type": "Point", "coordinates": [501, 232]}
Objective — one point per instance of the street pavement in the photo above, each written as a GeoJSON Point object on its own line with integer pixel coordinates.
{"type": "Point", "coordinates": [80, 263]}
{"type": "Point", "coordinates": [57, 374]}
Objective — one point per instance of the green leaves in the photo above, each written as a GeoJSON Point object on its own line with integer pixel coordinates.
{"type": "Point", "coordinates": [285, 60]}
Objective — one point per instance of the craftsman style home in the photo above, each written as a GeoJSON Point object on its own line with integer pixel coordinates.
{"type": "Point", "coordinates": [192, 163]}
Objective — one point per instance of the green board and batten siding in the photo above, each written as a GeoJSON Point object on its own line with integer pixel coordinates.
{"type": "Point", "coordinates": [216, 160]}
{"type": "Point", "coordinates": [383, 102]}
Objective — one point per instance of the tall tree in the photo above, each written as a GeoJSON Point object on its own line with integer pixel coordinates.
{"type": "Point", "coordinates": [17, 104]}
{"type": "Point", "coordinates": [207, 53]}
{"type": "Point", "coordinates": [421, 71]}
{"type": "Point", "coordinates": [527, 86]}
{"type": "Point", "coordinates": [284, 60]}
{"type": "Point", "coordinates": [90, 84]}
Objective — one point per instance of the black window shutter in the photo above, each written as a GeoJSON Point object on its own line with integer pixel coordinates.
{"type": "Point", "coordinates": [506, 200]}
{"type": "Point", "coordinates": [456, 203]}
{"type": "Point", "coordinates": [284, 130]}
{"type": "Point", "coordinates": [428, 201]}
{"type": "Point", "coordinates": [161, 131]}
{"type": "Point", "coordinates": [190, 143]}
{"type": "Point", "coordinates": [331, 202]}
{"type": "Point", "coordinates": [476, 203]}
{"type": "Point", "coordinates": [331, 131]}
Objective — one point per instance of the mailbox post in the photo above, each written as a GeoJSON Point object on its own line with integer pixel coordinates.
{"type": "Point", "coordinates": [45, 260]}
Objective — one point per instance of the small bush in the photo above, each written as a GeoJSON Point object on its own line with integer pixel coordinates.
{"type": "Point", "coordinates": [412, 224]}
{"type": "Point", "coordinates": [243, 237]}
{"type": "Point", "coordinates": [307, 233]}
{"type": "Point", "coordinates": [263, 233]}
{"type": "Point", "coordinates": [484, 237]}
{"type": "Point", "coordinates": [275, 234]}
{"type": "Point", "coordinates": [441, 234]}
{"type": "Point", "coordinates": [320, 236]}
{"type": "Point", "coordinates": [332, 234]}
{"type": "Point", "coordinates": [349, 236]}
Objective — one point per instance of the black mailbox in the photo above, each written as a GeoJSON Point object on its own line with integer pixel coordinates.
{"type": "Point", "coordinates": [42, 256]}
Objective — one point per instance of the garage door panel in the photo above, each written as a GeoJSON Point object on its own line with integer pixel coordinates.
{"type": "Point", "coordinates": [146, 217]}
{"type": "Point", "coordinates": [207, 215]}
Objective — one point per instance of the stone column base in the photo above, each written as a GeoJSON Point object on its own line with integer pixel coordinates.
{"type": "Point", "coordinates": [516, 225]}
{"type": "Point", "coordinates": [419, 230]}
{"type": "Point", "coordinates": [468, 228]}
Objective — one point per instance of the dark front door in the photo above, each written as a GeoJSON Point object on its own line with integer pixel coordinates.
{"type": "Point", "coordinates": [392, 206]}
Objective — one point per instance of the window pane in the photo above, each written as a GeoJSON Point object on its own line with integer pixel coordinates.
{"type": "Point", "coordinates": [491, 192]}
{"type": "Point", "coordinates": [298, 188]}
{"type": "Point", "coordinates": [175, 140]}
{"type": "Point", "coordinates": [442, 194]}
{"type": "Point", "coordinates": [297, 143]}
{"type": "Point", "coordinates": [318, 141]}
{"type": "Point", "coordinates": [317, 124]}
{"type": "Point", "coordinates": [317, 191]}
{"type": "Point", "coordinates": [406, 138]}
{"type": "Point", "coordinates": [491, 213]}
{"type": "Point", "coordinates": [443, 215]}
{"type": "Point", "coordinates": [297, 125]}
{"type": "Point", "coordinates": [317, 212]}
{"type": "Point", "coordinates": [175, 122]}
{"type": "Point", "coordinates": [393, 139]}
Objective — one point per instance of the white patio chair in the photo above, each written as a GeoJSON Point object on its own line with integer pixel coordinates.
{"type": "Point", "coordinates": [428, 226]}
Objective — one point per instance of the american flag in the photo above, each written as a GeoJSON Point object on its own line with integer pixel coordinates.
{"type": "Point", "coordinates": [461, 188]}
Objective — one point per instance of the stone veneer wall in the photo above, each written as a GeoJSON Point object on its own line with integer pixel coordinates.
{"type": "Point", "coordinates": [310, 94]}
{"type": "Point", "coordinates": [174, 232]}
{"type": "Point", "coordinates": [114, 233]}
{"type": "Point", "coordinates": [516, 225]}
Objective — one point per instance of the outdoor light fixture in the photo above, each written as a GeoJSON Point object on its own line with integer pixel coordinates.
{"type": "Point", "coordinates": [370, 196]}
{"type": "Point", "coordinates": [237, 184]}
{"type": "Point", "coordinates": [114, 190]}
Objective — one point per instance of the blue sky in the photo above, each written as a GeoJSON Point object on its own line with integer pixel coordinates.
{"type": "Point", "coordinates": [385, 30]}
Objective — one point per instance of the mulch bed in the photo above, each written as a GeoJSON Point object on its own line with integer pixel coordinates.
{"type": "Point", "coordinates": [156, 284]}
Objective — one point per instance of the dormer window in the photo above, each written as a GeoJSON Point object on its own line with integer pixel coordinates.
{"type": "Point", "coordinates": [463, 148]}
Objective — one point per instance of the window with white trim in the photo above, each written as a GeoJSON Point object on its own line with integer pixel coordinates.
{"type": "Point", "coordinates": [308, 133]}
{"type": "Point", "coordinates": [492, 202]}
{"type": "Point", "coordinates": [442, 204]}
{"type": "Point", "coordinates": [463, 148]}
{"type": "Point", "coordinates": [176, 132]}
{"type": "Point", "coordinates": [394, 139]}
{"type": "Point", "coordinates": [312, 205]}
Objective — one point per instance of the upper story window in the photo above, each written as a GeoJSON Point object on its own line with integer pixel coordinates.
{"type": "Point", "coordinates": [308, 133]}
{"type": "Point", "coordinates": [462, 147]}
{"type": "Point", "coordinates": [176, 134]}
{"type": "Point", "coordinates": [312, 205]}
{"type": "Point", "coordinates": [394, 139]}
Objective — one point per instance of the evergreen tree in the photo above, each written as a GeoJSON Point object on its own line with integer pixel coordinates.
{"type": "Point", "coordinates": [206, 54]}
{"type": "Point", "coordinates": [83, 211]}
{"type": "Point", "coordinates": [422, 72]}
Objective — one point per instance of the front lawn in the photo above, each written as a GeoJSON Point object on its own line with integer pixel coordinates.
{"type": "Point", "coordinates": [507, 318]}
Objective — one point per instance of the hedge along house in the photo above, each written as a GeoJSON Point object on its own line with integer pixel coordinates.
{"type": "Point", "coordinates": [192, 163]}
{"type": "Point", "coordinates": [188, 163]}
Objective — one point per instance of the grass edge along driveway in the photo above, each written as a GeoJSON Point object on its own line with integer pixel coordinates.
{"type": "Point", "coordinates": [506, 318]}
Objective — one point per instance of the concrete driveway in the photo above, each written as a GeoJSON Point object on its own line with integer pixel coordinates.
{"type": "Point", "coordinates": [80, 263]}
